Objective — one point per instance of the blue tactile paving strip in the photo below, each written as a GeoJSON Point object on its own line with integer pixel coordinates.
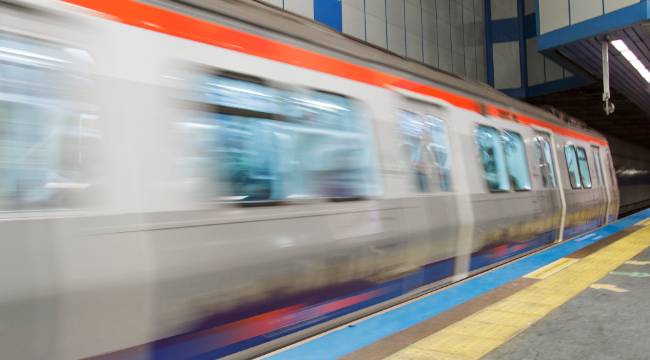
{"type": "Point", "coordinates": [351, 338]}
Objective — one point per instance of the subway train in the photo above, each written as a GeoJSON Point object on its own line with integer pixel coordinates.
{"type": "Point", "coordinates": [204, 179]}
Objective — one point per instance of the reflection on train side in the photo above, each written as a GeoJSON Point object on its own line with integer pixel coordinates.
{"type": "Point", "coordinates": [503, 156]}
{"type": "Point", "coordinates": [426, 146]}
{"type": "Point", "coordinates": [47, 136]}
{"type": "Point", "coordinates": [260, 144]}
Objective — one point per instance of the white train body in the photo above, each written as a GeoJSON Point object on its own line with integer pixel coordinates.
{"type": "Point", "coordinates": [140, 250]}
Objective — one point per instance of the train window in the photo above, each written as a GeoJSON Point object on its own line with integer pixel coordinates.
{"type": "Point", "coordinates": [543, 152]}
{"type": "Point", "coordinates": [427, 147]}
{"type": "Point", "coordinates": [236, 94]}
{"type": "Point", "coordinates": [332, 150]}
{"type": "Point", "coordinates": [572, 166]}
{"type": "Point", "coordinates": [492, 157]}
{"type": "Point", "coordinates": [517, 163]}
{"type": "Point", "coordinates": [583, 166]}
{"type": "Point", "coordinates": [539, 154]}
{"type": "Point", "coordinates": [440, 149]}
{"type": "Point", "coordinates": [599, 166]}
{"type": "Point", "coordinates": [420, 158]}
{"type": "Point", "coordinates": [276, 145]}
{"type": "Point", "coordinates": [244, 142]}
{"type": "Point", "coordinates": [326, 111]}
{"type": "Point", "coordinates": [48, 136]}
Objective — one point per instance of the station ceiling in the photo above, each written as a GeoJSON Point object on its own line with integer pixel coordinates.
{"type": "Point", "coordinates": [623, 76]}
{"type": "Point", "coordinates": [630, 90]}
{"type": "Point", "coordinates": [629, 122]}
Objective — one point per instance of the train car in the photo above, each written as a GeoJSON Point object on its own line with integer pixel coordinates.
{"type": "Point", "coordinates": [204, 179]}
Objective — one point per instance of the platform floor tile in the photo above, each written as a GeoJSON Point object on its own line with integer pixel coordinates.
{"type": "Point", "coordinates": [482, 332]}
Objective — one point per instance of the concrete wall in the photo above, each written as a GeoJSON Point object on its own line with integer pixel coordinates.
{"type": "Point", "coordinates": [446, 34]}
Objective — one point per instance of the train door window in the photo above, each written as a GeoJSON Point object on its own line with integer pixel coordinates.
{"type": "Point", "coordinates": [415, 145]}
{"type": "Point", "coordinates": [572, 166]}
{"type": "Point", "coordinates": [583, 167]}
{"type": "Point", "coordinates": [440, 148]}
{"type": "Point", "coordinates": [48, 133]}
{"type": "Point", "coordinates": [516, 161]}
{"type": "Point", "coordinates": [541, 162]}
{"type": "Point", "coordinates": [278, 145]}
{"type": "Point", "coordinates": [426, 143]}
{"type": "Point", "coordinates": [492, 157]}
{"type": "Point", "coordinates": [548, 155]}
{"type": "Point", "coordinates": [543, 152]}
{"type": "Point", "coordinates": [599, 166]}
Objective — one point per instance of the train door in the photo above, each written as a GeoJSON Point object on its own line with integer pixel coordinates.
{"type": "Point", "coordinates": [550, 177]}
{"type": "Point", "coordinates": [432, 209]}
{"type": "Point", "coordinates": [600, 184]}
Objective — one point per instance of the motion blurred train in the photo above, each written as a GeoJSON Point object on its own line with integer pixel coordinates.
{"type": "Point", "coordinates": [203, 179]}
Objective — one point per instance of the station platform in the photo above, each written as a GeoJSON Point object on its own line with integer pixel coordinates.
{"type": "Point", "coordinates": [582, 298]}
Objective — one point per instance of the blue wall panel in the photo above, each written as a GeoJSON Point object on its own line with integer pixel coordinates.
{"type": "Point", "coordinates": [329, 12]}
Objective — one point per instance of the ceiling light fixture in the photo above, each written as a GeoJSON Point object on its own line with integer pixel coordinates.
{"type": "Point", "coordinates": [632, 59]}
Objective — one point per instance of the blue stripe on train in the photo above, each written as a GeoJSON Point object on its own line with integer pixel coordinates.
{"type": "Point", "coordinates": [498, 253]}
{"type": "Point", "coordinates": [576, 230]}
{"type": "Point", "coordinates": [426, 275]}
{"type": "Point", "coordinates": [186, 345]}
{"type": "Point", "coordinates": [172, 348]}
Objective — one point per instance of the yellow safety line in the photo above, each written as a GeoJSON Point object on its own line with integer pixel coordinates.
{"type": "Point", "coordinates": [478, 334]}
{"type": "Point", "coordinates": [550, 269]}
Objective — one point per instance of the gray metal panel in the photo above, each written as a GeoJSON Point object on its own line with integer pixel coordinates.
{"type": "Point", "coordinates": [553, 14]}
{"type": "Point", "coordinates": [506, 65]}
{"type": "Point", "coordinates": [534, 63]}
{"type": "Point", "coordinates": [414, 39]}
{"type": "Point", "coordinates": [503, 9]}
{"type": "Point", "coordinates": [613, 5]}
{"type": "Point", "coordinates": [353, 17]}
{"type": "Point", "coordinates": [300, 7]}
{"type": "Point", "coordinates": [582, 10]}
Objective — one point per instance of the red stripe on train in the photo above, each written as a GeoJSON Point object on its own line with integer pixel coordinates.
{"type": "Point", "coordinates": [183, 26]}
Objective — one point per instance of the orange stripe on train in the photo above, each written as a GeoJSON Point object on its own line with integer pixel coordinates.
{"type": "Point", "coordinates": [184, 26]}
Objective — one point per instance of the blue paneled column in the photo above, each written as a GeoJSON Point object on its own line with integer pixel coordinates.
{"type": "Point", "coordinates": [515, 66]}
{"type": "Point", "coordinates": [521, 20]}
